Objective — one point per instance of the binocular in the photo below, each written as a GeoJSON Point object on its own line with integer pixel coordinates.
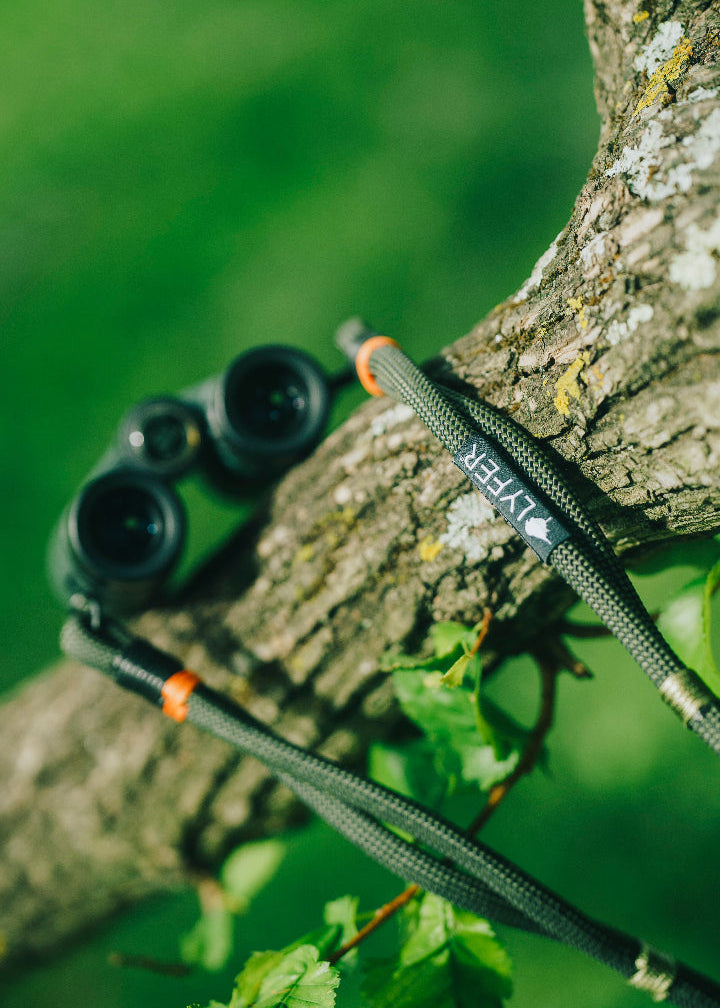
{"type": "Point", "coordinates": [123, 533]}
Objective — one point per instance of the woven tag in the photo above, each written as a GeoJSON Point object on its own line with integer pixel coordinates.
{"type": "Point", "coordinates": [510, 493]}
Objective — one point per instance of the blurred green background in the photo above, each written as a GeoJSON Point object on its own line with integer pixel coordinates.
{"type": "Point", "coordinates": [182, 181]}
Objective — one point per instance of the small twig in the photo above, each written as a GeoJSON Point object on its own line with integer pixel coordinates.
{"type": "Point", "coordinates": [211, 894]}
{"type": "Point", "coordinates": [143, 962]}
{"type": "Point", "coordinates": [383, 914]}
{"type": "Point", "coordinates": [549, 669]}
{"type": "Point", "coordinates": [555, 650]}
{"type": "Point", "coordinates": [482, 632]}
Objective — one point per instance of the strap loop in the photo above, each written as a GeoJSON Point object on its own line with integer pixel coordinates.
{"type": "Point", "coordinates": [175, 692]}
{"type": "Point", "coordinates": [686, 693]}
{"type": "Point", "coordinates": [655, 973]}
{"type": "Point", "coordinates": [362, 362]}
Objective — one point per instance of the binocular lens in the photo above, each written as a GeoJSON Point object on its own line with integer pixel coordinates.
{"type": "Point", "coordinates": [164, 438]}
{"type": "Point", "coordinates": [270, 401]}
{"type": "Point", "coordinates": [124, 525]}
{"type": "Point", "coordinates": [269, 409]}
{"type": "Point", "coordinates": [125, 531]}
{"type": "Point", "coordinates": [163, 434]}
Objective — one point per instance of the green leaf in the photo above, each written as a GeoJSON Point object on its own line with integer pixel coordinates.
{"type": "Point", "coordinates": [325, 939]}
{"type": "Point", "coordinates": [434, 664]}
{"type": "Point", "coordinates": [459, 670]}
{"type": "Point", "coordinates": [299, 980]}
{"type": "Point", "coordinates": [248, 869]}
{"type": "Point", "coordinates": [412, 769]}
{"type": "Point", "coordinates": [260, 965]}
{"type": "Point", "coordinates": [250, 979]}
{"type": "Point", "coordinates": [449, 718]}
{"type": "Point", "coordinates": [209, 942]}
{"type": "Point", "coordinates": [480, 764]}
{"type": "Point", "coordinates": [450, 641]}
{"type": "Point", "coordinates": [387, 985]}
{"type": "Point", "coordinates": [428, 924]}
{"type": "Point", "coordinates": [498, 729]}
{"type": "Point", "coordinates": [342, 913]}
{"type": "Point", "coordinates": [685, 622]}
{"type": "Point", "coordinates": [448, 635]}
{"type": "Point", "coordinates": [293, 978]}
{"type": "Point", "coordinates": [448, 960]}
{"type": "Point", "coordinates": [482, 954]}
{"type": "Point", "coordinates": [392, 660]}
{"type": "Point", "coordinates": [472, 741]}
{"type": "Point", "coordinates": [681, 623]}
{"type": "Point", "coordinates": [434, 708]}
{"type": "Point", "coordinates": [711, 585]}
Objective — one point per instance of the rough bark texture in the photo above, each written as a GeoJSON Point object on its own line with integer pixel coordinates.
{"type": "Point", "coordinates": [610, 353]}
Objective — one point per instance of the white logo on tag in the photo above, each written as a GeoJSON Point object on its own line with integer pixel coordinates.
{"type": "Point", "coordinates": [537, 528]}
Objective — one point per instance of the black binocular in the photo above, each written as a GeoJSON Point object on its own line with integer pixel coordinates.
{"type": "Point", "coordinates": [123, 533]}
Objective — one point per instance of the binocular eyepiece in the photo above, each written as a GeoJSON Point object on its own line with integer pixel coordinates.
{"type": "Point", "coordinates": [267, 410]}
{"type": "Point", "coordinates": [124, 532]}
{"type": "Point", "coordinates": [119, 539]}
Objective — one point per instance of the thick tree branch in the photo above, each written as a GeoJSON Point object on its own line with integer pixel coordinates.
{"type": "Point", "coordinates": [610, 353]}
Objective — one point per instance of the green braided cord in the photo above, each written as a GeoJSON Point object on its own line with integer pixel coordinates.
{"type": "Point", "coordinates": [479, 879]}
{"type": "Point", "coordinates": [332, 791]}
{"type": "Point", "coordinates": [407, 860]}
{"type": "Point", "coordinates": [586, 561]}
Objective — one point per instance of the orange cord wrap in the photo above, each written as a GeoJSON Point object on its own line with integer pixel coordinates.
{"type": "Point", "coordinates": [362, 362]}
{"type": "Point", "coordinates": [175, 693]}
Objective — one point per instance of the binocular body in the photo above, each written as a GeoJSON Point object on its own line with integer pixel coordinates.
{"type": "Point", "coordinates": [124, 531]}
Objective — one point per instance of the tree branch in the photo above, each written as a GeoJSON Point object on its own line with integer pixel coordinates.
{"type": "Point", "coordinates": [381, 916]}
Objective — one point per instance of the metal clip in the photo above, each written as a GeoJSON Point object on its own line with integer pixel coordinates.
{"type": "Point", "coordinates": [655, 973]}
{"type": "Point", "coordinates": [87, 607]}
{"type": "Point", "coordinates": [686, 693]}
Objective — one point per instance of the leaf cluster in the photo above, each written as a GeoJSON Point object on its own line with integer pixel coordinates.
{"type": "Point", "coordinates": [448, 959]}
{"type": "Point", "coordinates": [445, 959]}
{"type": "Point", "coordinates": [465, 740]}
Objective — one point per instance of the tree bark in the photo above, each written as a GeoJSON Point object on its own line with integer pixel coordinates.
{"type": "Point", "coordinates": [609, 353]}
